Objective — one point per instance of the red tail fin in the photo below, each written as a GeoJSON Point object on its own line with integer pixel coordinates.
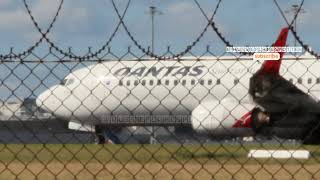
{"type": "Point", "coordinates": [273, 67]}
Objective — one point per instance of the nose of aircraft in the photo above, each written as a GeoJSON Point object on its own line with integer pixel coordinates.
{"type": "Point", "coordinates": [50, 100]}
{"type": "Point", "coordinates": [42, 100]}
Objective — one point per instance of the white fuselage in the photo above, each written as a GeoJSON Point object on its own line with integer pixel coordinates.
{"type": "Point", "coordinates": [131, 88]}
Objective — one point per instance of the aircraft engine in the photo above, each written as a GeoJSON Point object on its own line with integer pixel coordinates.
{"type": "Point", "coordinates": [225, 117]}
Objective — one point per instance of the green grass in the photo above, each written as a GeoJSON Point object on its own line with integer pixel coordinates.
{"type": "Point", "coordinates": [138, 153]}
{"type": "Point", "coordinates": [151, 161]}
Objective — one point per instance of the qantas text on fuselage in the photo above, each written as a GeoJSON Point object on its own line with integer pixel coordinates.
{"type": "Point", "coordinates": [196, 71]}
{"type": "Point", "coordinates": [160, 71]}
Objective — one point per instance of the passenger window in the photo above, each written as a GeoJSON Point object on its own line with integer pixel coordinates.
{"type": "Point", "coordinates": [108, 82]}
{"type": "Point", "coordinates": [128, 82]}
{"type": "Point", "coordinates": [318, 81]}
{"type": "Point", "coordinates": [176, 82]}
{"type": "Point", "coordinates": [70, 81]}
{"type": "Point", "coordinates": [209, 81]}
{"type": "Point", "coordinates": [201, 81]}
{"type": "Point", "coordinates": [159, 82]}
{"type": "Point", "coordinates": [136, 82]}
{"type": "Point", "coordinates": [120, 83]}
{"type": "Point", "coordinates": [151, 82]}
{"type": "Point", "coordinates": [236, 81]}
{"type": "Point", "coordinates": [143, 82]}
{"type": "Point", "coordinates": [218, 81]}
{"type": "Point", "coordinates": [193, 82]}
{"type": "Point", "coordinates": [184, 82]}
{"type": "Point", "coordinates": [309, 80]}
{"type": "Point", "coordinates": [300, 81]}
{"type": "Point", "coordinates": [167, 82]}
{"type": "Point", "coordinates": [63, 82]}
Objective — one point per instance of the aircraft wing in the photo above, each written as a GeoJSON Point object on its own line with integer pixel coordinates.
{"type": "Point", "coordinates": [268, 69]}
{"type": "Point", "coordinates": [293, 113]}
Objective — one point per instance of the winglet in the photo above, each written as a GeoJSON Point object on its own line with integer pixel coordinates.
{"type": "Point", "coordinates": [271, 66]}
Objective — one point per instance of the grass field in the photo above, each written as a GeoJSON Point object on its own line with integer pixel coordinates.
{"type": "Point", "coordinates": [151, 161]}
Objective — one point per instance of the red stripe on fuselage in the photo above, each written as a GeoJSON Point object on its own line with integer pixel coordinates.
{"type": "Point", "coordinates": [244, 121]}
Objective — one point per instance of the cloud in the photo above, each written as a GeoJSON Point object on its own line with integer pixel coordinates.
{"type": "Point", "coordinates": [181, 7]}
{"type": "Point", "coordinates": [182, 12]}
{"type": "Point", "coordinates": [15, 20]}
{"type": "Point", "coordinates": [5, 3]}
{"type": "Point", "coordinates": [18, 18]}
{"type": "Point", "coordinates": [185, 18]}
{"type": "Point", "coordinates": [309, 18]}
{"type": "Point", "coordinates": [43, 11]}
{"type": "Point", "coordinates": [12, 19]}
{"type": "Point", "coordinates": [76, 18]}
{"type": "Point", "coordinates": [71, 16]}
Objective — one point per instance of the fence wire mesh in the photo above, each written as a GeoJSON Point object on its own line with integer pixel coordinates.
{"type": "Point", "coordinates": [141, 115]}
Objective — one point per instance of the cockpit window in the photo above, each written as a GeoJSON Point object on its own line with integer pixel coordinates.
{"type": "Point", "coordinates": [70, 81]}
{"type": "Point", "coordinates": [63, 82]}
{"type": "Point", "coordinates": [66, 82]}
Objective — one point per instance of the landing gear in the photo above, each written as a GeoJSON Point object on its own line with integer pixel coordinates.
{"type": "Point", "coordinates": [260, 119]}
{"type": "Point", "coordinates": [106, 135]}
{"type": "Point", "coordinates": [99, 139]}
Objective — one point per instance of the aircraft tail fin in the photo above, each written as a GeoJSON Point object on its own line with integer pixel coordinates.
{"type": "Point", "coordinates": [272, 66]}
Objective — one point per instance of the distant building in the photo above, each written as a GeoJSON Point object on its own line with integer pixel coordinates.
{"type": "Point", "coordinates": [29, 107]}
{"type": "Point", "coordinates": [10, 109]}
{"type": "Point", "coordinates": [20, 109]}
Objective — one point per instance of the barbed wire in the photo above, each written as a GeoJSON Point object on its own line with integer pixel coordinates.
{"type": "Point", "coordinates": [68, 54]}
{"type": "Point", "coordinates": [229, 44]}
{"type": "Point", "coordinates": [295, 34]}
{"type": "Point", "coordinates": [152, 54]}
{"type": "Point", "coordinates": [43, 35]}
{"type": "Point", "coordinates": [90, 55]}
{"type": "Point", "coordinates": [215, 28]}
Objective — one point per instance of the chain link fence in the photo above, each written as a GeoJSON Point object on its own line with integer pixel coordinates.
{"type": "Point", "coordinates": [141, 115]}
{"type": "Point", "coordinates": [146, 121]}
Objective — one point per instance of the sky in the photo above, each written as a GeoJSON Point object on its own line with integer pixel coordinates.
{"type": "Point", "coordinates": [84, 24]}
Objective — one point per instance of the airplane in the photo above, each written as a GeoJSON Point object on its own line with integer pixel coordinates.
{"type": "Point", "coordinates": [210, 95]}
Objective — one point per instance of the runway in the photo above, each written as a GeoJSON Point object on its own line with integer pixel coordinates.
{"type": "Point", "coordinates": [50, 130]}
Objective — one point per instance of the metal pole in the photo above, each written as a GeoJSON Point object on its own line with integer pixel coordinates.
{"type": "Point", "coordinates": [294, 9]}
{"type": "Point", "coordinates": [153, 11]}
{"type": "Point", "coordinates": [295, 29]}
